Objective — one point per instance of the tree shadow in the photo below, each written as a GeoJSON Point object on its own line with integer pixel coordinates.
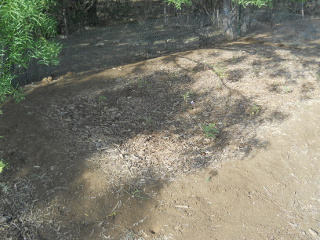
{"type": "Point", "coordinates": [87, 154]}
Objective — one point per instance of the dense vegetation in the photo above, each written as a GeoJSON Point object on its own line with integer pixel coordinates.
{"type": "Point", "coordinates": [26, 30]}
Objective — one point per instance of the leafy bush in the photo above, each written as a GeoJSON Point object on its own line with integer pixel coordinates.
{"type": "Point", "coordinates": [26, 30]}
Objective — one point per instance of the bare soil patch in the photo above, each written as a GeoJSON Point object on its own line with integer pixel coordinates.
{"type": "Point", "coordinates": [122, 153]}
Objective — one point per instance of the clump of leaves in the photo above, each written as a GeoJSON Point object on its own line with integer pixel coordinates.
{"type": "Point", "coordinates": [210, 130]}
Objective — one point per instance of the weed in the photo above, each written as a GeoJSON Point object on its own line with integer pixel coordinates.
{"type": "Point", "coordinates": [147, 120]}
{"type": "Point", "coordinates": [253, 110]}
{"type": "Point", "coordinates": [1, 137]}
{"type": "Point", "coordinates": [186, 97]}
{"type": "Point", "coordinates": [4, 187]}
{"type": "Point", "coordinates": [137, 194]}
{"type": "Point", "coordinates": [102, 101]}
{"type": "Point", "coordinates": [210, 130]}
{"type": "Point", "coordinates": [220, 70]}
{"type": "Point", "coordinates": [142, 83]}
{"type": "Point", "coordinates": [287, 89]}
{"type": "Point", "coordinates": [3, 165]}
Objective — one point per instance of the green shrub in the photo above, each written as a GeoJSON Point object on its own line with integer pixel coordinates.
{"type": "Point", "coordinates": [26, 30]}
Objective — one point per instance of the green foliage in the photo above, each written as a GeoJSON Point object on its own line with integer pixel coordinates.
{"type": "Point", "coordinates": [220, 70]}
{"type": "Point", "coordinates": [142, 84]}
{"type": "Point", "coordinates": [2, 165]}
{"type": "Point", "coordinates": [179, 3]}
{"type": "Point", "coordinates": [258, 3]}
{"type": "Point", "coordinates": [210, 130]}
{"type": "Point", "coordinates": [253, 110]}
{"type": "Point", "coordinates": [4, 188]}
{"type": "Point", "coordinates": [26, 30]}
{"type": "Point", "coordinates": [186, 97]}
{"type": "Point", "coordinates": [137, 194]}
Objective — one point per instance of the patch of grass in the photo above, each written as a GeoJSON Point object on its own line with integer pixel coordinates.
{"type": "Point", "coordinates": [210, 130]}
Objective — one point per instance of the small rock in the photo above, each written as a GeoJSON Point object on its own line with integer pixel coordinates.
{"type": "Point", "coordinates": [99, 44]}
{"type": "Point", "coordinates": [5, 219]}
{"type": "Point", "coordinates": [97, 144]}
{"type": "Point", "coordinates": [313, 232]}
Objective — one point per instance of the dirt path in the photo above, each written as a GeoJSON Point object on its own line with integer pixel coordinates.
{"type": "Point", "coordinates": [271, 195]}
{"type": "Point", "coordinates": [130, 152]}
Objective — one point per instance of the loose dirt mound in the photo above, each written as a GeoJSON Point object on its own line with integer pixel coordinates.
{"type": "Point", "coordinates": [217, 143]}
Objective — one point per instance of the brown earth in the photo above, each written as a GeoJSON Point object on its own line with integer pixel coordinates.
{"type": "Point", "coordinates": [122, 153]}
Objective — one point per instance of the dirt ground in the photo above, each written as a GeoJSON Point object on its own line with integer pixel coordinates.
{"type": "Point", "coordinates": [129, 153]}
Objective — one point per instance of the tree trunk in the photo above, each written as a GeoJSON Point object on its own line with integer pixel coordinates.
{"type": "Point", "coordinates": [227, 20]}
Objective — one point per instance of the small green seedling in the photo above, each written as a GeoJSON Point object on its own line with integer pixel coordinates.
{"type": "Point", "coordinates": [220, 70]}
{"type": "Point", "coordinates": [3, 165]}
{"type": "Point", "coordinates": [4, 187]}
{"type": "Point", "coordinates": [147, 120]}
{"type": "Point", "coordinates": [254, 110]}
{"type": "Point", "coordinates": [102, 101]}
{"type": "Point", "coordinates": [186, 97]}
{"type": "Point", "coordinates": [142, 84]}
{"type": "Point", "coordinates": [210, 130]}
{"type": "Point", "coordinates": [137, 194]}
{"type": "Point", "coordinates": [287, 89]}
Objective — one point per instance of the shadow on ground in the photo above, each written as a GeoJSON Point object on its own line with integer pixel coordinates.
{"type": "Point", "coordinates": [88, 154]}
